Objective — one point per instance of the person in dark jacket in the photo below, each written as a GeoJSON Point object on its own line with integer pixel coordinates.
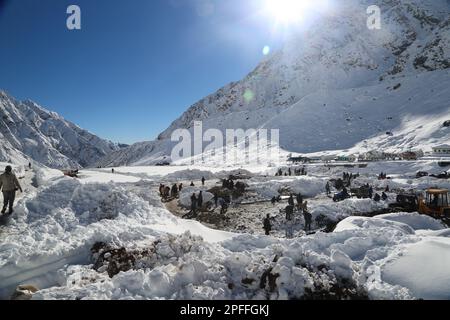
{"type": "Point", "coordinates": [274, 200]}
{"type": "Point", "coordinates": [267, 226]}
{"type": "Point", "coordinates": [299, 199]}
{"type": "Point", "coordinates": [291, 200]}
{"type": "Point", "coordinates": [192, 184]}
{"type": "Point", "coordinates": [194, 203]}
{"type": "Point", "coordinates": [200, 199]}
{"type": "Point", "coordinates": [216, 199]}
{"type": "Point", "coordinates": [289, 212]}
{"type": "Point", "coordinates": [377, 198]}
{"type": "Point", "coordinates": [203, 181]}
{"type": "Point", "coordinates": [9, 185]}
{"type": "Point", "coordinates": [308, 219]}
{"type": "Point", "coordinates": [174, 191]}
{"type": "Point", "coordinates": [384, 196]}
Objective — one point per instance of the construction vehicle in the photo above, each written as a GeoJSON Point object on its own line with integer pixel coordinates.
{"type": "Point", "coordinates": [435, 204]}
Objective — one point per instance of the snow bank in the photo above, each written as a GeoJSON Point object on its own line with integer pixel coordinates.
{"type": "Point", "coordinates": [423, 268]}
{"type": "Point", "coordinates": [414, 220]}
{"type": "Point", "coordinates": [307, 186]}
{"type": "Point", "coordinates": [355, 223]}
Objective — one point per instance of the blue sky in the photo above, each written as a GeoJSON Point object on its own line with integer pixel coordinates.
{"type": "Point", "coordinates": [135, 66]}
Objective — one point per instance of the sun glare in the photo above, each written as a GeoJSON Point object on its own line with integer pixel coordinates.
{"type": "Point", "coordinates": [288, 11]}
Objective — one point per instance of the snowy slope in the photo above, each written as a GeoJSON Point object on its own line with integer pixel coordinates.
{"type": "Point", "coordinates": [338, 85]}
{"type": "Point", "coordinates": [29, 132]}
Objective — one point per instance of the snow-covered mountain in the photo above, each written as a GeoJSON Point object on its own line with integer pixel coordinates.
{"type": "Point", "coordinates": [30, 132]}
{"type": "Point", "coordinates": [338, 86]}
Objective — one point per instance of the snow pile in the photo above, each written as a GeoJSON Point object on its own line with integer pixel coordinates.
{"type": "Point", "coordinates": [189, 175]}
{"type": "Point", "coordinates": [414, 220]}
{"type": "Point", "coordinates": [423, 268]}
{"type": "Point", "coordinates": [59, 224]}
{"type": "Point", "coordinates": [272, 187]}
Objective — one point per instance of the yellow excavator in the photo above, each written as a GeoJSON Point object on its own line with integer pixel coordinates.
{"type": "Point", "coordinates": [435, 204]}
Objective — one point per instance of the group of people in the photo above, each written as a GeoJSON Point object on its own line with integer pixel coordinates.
{"type": "Point", "coordinates": [196, 203]}
{"type": "Point", "coordinates": [297, 172]}
{"type": "Point", "coordinates": [383, 176]}
{"type": "Point", "coordinates": [228, 184]}
{"type": "Point", "coordinates": [296, 202]}
{"type": "Point", "coordinates": [9, 186]}
{"type": "Point", "coordinates": [167, 192]}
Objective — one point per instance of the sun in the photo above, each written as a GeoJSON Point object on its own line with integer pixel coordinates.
{"type": "Point", "coordinates": [287, 11]}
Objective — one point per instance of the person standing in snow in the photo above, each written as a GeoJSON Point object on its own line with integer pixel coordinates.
{"type": "Point", "coordinates": [387, 189]}
{"type": "Point", "coordinates": [29, 165]}
{"type": "Point", "coordinates": [203, 181]}
{"type": "Point", "coordinates": [180, 187]}
{"type": "Point", "coordinates": [194, 205]}
{"type": "Point", "coordinates": [289, 222]}
{"type": "Point", "coordinates": [384, 196]}
{"type": "Point", "coordinates": [291, 200]}
{"type": "Point", "coordinates": [377, 198]}
{"type": "Point", "coordinates": [274, 200]}
{"type": "Point", "coordinates": [299, 201]}
{"type": "Point", "coordinates": [308, 219]}
{"type": "Point", "coordinates": [289, 212]}
{"type": "Point", "coordinates": [328, 188]}
{"type": "Point", "coordinates": [267, 226]}
{"type": "Point", "coordinates": [9, 185]}
{"type": "Point", "coordinates": [200, 200]}
{"type": "Point", "coordinates": [174, 191]}
{"type": "Point", "coordinates": [290, 172]}
{"type": "Point", "coordinates": [223, 206]}
{"type": "Point", "coordinates": [112, 170]}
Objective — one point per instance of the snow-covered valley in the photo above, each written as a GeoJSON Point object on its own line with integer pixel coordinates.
{"type": "Point", "coordinates": [50, 241]}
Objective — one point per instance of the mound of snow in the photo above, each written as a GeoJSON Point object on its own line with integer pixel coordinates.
{"type": "Point", "coordinates": [423, 268]}
{"type": "Point", "coordinates": [414, 220]}
{"type": "Point", "coordinates": [355, 223]}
